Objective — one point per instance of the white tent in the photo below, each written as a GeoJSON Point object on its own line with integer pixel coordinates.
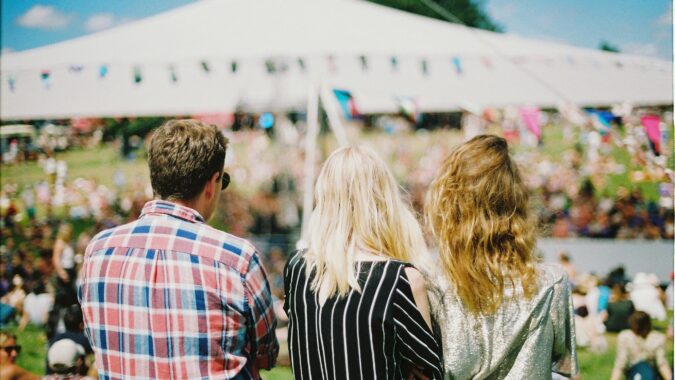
{"type": "Point", "coordinates": [376, 53]}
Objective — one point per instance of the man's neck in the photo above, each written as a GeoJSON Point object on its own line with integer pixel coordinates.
{"type": "Point", "coordinates": [193, 204]}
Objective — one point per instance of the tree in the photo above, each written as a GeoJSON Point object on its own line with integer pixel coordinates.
{"type": "Point", "coordinates": [469, 12]}
{"type": "Point", "coordinates": [606, 46]}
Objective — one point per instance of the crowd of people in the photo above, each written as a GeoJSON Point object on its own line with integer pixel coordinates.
{"type": "Point", "coordinates": [615, 303]}
{"type": "Point", "coordinates": [46, 226]}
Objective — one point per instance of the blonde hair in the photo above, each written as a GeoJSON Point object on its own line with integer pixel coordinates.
{"type": "Point", "coordinates": [358, 207]}
{"type": "Point", "coordinates": [478, 210]}
{"type": "Point", "coordinates": [6, 336]}
{"type": "Point", "coordinates": [65, 232]}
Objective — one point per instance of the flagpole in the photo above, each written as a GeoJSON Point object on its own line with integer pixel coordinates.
{"type": "Point", "coordinates": [311, 137]}
{"type": "Point", "coordinates": [328, 102]}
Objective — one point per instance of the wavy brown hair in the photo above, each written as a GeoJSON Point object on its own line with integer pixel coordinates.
{"type": "Point", "coordinates": [478, 210]}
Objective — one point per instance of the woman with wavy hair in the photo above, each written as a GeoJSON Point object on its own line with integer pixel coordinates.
{"type": "Point", "coordinates": [502, 314]}
{"type": "Point", "coordinates": [357, 307]}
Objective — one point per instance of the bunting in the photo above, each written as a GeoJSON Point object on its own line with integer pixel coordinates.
{"type": "Point", "coordinates": [45, 76]}
{"type": "Point", "coordinates": [138, 77]}
{"type": "Point", "coordinates": [102, 71]}
{"type": "Point", "coordinates": [11, 81]}
{"type": "Point", "coordinates": [458, 65]}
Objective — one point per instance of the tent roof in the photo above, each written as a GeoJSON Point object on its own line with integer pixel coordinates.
{"type": "Point", "coordinates": [497, 69]}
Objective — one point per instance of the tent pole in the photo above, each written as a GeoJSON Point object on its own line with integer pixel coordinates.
{"type": "Point", "coordinates": [310, 158]}
{"type": "Point", "coordinates": [333, 116]}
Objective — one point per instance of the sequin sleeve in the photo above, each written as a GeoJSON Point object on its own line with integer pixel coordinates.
{"type": "Point", "coordinates": [564, 344]}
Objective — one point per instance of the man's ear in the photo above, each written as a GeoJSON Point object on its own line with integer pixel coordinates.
{"type": "Point", "coordinates": [212, 186]}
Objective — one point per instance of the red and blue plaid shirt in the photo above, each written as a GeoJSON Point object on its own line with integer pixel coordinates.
{"type": "Point", "coordinates": [169, 297]}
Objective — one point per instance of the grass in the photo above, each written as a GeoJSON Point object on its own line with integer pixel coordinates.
{"type": "Point", "coordinates": [34, 353]}
{"type": "Point", "coordinates": [99, 164]}
{"type": "Point", "coordinates": [592, 365]}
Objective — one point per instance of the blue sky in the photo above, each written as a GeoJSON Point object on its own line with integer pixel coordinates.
{"type": "Point", "coordinates": [636, 26]}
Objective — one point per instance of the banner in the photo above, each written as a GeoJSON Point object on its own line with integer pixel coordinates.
{"type": "Point", "coordinates": [531, 117]}
{"type": "Point", "coordinates": [347, 104]}
{"type": "Point", "coordinates": [409, 107]}
{"type": "Point", "coordinates": [601, 120]}
{"type": "Point", "coordinates": [651, 124]}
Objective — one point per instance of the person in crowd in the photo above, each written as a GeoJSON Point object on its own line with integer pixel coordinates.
{"type": "Point", "coordinates": [619, 309]}
{"type": "Point", "coordinates": [11, 304]}
{"type": "Point", "coordinates": [489, 284]}
{"type": "Point", "coordinates": [647, 297]}
{"type": "Point", "coordinates": [641, 352]}
{"type": "Point", "coordinates": [9, 351]}
{"type": "Point", "coordinates": [36, 306]}
{"type": "Point", "coordinates": [63, 260]}
{"type": "Point", "coordinates": [66, 360]}
{"type": "Point", "coordinates": [74, 330]}
{"type": "Point", "coordinates": [588, 326]}
{"type": "Point", "coordinates": [198, 296]}
{"type": "Point", "coordinates": [357, 306]}
{"type": "Point", "coordinates": [570, 269]}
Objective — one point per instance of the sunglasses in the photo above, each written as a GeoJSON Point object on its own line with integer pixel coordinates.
{"type": "Point", "coordinates": [226, 180]}
{"type": "Point", "coordinates": [9, 349]}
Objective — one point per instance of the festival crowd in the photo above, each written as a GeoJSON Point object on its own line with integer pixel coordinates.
{"type": "Point", "coordinates": [47, 225]}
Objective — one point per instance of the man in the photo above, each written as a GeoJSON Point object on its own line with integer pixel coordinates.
{"type": "Point", "coordinates": [66, 360]}
{"type": "Point", "coordinates": [74, 324]}
{"type": "Point", "coordinates": [167, 296]}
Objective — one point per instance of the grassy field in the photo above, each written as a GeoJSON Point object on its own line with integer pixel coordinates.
{"type": "Point", "coordinates": [593, 366]}
{"type": "Point", "coordinates": [34, 352]}
{"type": "Point", "coordinates": [101, 163]}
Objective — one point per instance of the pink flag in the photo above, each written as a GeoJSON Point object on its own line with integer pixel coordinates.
{"type": "Point", "coordinates": [651, 125]}
{"type": "Point", "coordinates": [532, 120]}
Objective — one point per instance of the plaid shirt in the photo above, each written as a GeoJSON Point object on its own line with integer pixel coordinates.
{"type": "Point", "coordinates": [169, 297]}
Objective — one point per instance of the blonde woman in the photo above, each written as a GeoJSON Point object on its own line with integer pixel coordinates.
{"type": "Point", "coordinates": [63, 259]}
{"type": "Point", "coordinates": [357, 307]}
{"type": "Point", "coordinates": [502, 315]}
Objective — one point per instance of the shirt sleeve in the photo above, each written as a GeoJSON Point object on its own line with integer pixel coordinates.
{"type": "Point", "coordinates": [622, 351]}
{"type": "Point", "coordinates": [415, 342]}
{"type": "Point", "coordinates": [564, 343]}
{"type": "Point", "coordinates": [660, 353]}
{"type": "Point", "coordinates": [262, 321]}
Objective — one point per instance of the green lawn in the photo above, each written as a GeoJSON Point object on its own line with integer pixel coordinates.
{"type": "Point", "coordinates": [593, 366]}
{"type": "Point", "coordinates": [99, 163]}
{"type": "Point", "coordinates": [34, 352]}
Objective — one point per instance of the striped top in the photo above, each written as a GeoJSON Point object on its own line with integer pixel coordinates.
{"type": "Point", "coordinates": [374, 334]}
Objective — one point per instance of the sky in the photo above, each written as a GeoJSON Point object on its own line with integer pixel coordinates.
{"type": "Point", "coordinates": [643, 27]}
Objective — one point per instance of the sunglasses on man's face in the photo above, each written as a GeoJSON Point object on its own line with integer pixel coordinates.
{"type": "Point", "coordinates": [9, 349]}
{"type": "Point", "coordinates": [226, 180]}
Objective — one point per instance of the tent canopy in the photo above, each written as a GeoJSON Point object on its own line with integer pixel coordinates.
{"type": "Point", "coordinates": [181, 62]}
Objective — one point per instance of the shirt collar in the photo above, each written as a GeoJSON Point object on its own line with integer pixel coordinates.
{"type": "Point", "coordinates": [159, 207]}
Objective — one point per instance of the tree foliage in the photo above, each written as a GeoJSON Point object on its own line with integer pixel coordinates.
{"type": "Point", "coordinates": [606, 46]}
{"type": "Point", "coordinates": [470, 12]}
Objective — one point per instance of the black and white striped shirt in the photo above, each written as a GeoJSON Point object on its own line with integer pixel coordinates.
{"type": "Point", "coordinates": [366, 335]}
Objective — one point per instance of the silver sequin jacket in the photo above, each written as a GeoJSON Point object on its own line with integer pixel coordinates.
{"type": "Point", "coordinates": [524, 339]}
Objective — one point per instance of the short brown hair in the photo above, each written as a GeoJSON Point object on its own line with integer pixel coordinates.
{"type": "Point", "coordinates": [183, 156]}
{"type": "Point", "coordinates": [640, 323]}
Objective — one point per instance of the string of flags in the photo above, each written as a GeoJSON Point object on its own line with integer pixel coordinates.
{"type": "Point", "coordinates": [273, 66]}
